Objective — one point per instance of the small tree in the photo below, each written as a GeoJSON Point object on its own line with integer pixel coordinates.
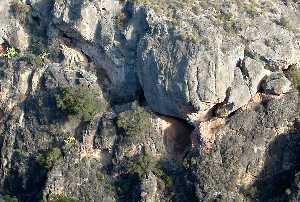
{"type": "Point", "coordinates": [134, 122]}
{"type": "Point", "coordinates": [48, 159]}
{"type": "Point", "coordinates": [145, 164]}
{"type": "Point", "coordinates": [79, 101]}
{"type": "Point", "coordinates": [142, 165]}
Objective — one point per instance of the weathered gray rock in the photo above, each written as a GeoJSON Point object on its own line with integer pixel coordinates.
{"type": "Point", "coordinates": [190, 67]}
{"type": "Point", "coordinates": [27, 114]}
{"type": "Point", "coordinates": [247, 80]}
{"type": "Point", "coordinates": [174, 73]}
{"type": "Point", "coordinates": [91, 20]}
{"type": "Point", "coordinates": [75, 176]}
{"type": "Point", "coordinates": [10, 28]}
{"type": "Point", "coordinates": [192, 59]}
{"type": "Point", "coordinates": [149, 188]}
{"type": "Point", "coordinates": [276, 84]}
{"type": "Point", "coordinates": [233, 164]}
{"type": "Point", "coordinates": [94, 26]}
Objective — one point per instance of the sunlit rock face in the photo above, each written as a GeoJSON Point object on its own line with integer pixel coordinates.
{"type": "Point", "coordinates": [192, 62]}
{"type": "Point", "coordinates": [97, 29]}
{"type": "Point", "coordinates": [198, 100]}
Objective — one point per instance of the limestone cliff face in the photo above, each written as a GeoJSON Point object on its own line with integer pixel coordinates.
{"type": "Point", "coordinates": [195, 60]}
{"type": "Point", "coordinates": [250, 155]}
{"type": "Point", "coordinates": [216, 85]}
{"type": "Point", "coordinates": [96, 27]}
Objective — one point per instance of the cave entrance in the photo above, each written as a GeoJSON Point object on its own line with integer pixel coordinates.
{"type": "Point", "coordinates": [177, 137]}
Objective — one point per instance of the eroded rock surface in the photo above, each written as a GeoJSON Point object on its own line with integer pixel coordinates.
{"type": "Point", "coordinates": [196, 63]}
{"type": "Point", "coordinates": [276, 84]}
{"type": "Point", "coordinates": [214, 81]}
{"type": "Point", "coordinates": [253, 153]}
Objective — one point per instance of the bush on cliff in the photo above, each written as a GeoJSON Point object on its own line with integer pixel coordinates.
{"type": "Point", "coordinates": [135, 121]}
{"type": "Point", "coordinates": [49, 158]}
{"type": "Point", "coordinates": [79, 101]}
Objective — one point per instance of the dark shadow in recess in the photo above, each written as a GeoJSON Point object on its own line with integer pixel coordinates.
{"type": "Point", "coordinates": [281, 165]}
{"type": "Point", "coordinates": [177, 138]}
{"type": "Point", "coordinates": [26, 186]}
{"type": "Point", "coordinates": [180, 189]}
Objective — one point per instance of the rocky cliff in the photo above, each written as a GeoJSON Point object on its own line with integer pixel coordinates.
{"type": "Point", "coordinates": [146, 100]}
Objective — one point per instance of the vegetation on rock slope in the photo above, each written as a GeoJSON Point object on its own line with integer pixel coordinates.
{"type": "Point", "coordinates": [79, 101]}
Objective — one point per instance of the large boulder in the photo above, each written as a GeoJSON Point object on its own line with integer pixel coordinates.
{"type": "Point", "coordinates": [191, 62]}
{"type": "Point", "coordinates": [276, 84]}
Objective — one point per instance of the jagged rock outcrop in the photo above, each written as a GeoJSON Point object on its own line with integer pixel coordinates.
{"type": "Point", "coordinates": [82, 170]}
{"type": "Point", "coordinates": [251, 155]}
{"type": "Point", "coordinates": [95, 27]}
{"type": "Point", "coordinates": [276, 84]}
{"type": "Point", "coordinates": [215, 82]}
{"type": "Point", "coordinates": [190, 62]}
{"type": "Point", "coordinates": [11, 29]}
{"type": "Point", "coordinates": [30, 122]}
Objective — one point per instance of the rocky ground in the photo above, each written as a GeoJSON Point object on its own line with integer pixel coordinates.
{"type": "Point", "coordinates": [147, 100]}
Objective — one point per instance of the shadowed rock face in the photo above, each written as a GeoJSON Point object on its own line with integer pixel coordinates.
{"type": "Point", "coordinates": [211, 75]}
{"type": "Point", "coordinates": [254, 154]}
{"type": "Point", "coordinates": [276, 180]}
{"type": "Point", "coordinates": [97, 29]}
{"type": "Point", "coordinates": [175, 136]}
{"type": "Point", "coordinates": [177, 139]}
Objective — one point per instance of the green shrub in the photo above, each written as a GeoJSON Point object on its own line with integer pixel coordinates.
{"type": "Point", "coordinates": [160, 172]}
{"type": "Point", "coordinates": [79, 101]}
{"type": "Point", "coordinates": [69, 141]}
{"type": "Point", "coordinates": [49, 158]}
{"type": "Point", "coordinates": [54, 47]}
{"type": "Point", "coordinates": [145, 164]}
{"type": "Point", "coordinates": [106, 183]}
{"type": "Point", "coordinates": [37, 60]}
{"type": "Point", "coordinates": [228, 21]}
{"type": "Point", "coordinates": [8, 198]}
{"type": "Point", "coordinates": [138, 169]}
{"type": "Point", "coordinates": [293, 74]}
{"type": "Point", "coordinates": [134, 122]}
{"type": "Point", "coordinates": [11, 53]}
{"type": "Point", "coordinates": [142, 165]}
{"type": "Point", "coordinates": [60, 198]}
